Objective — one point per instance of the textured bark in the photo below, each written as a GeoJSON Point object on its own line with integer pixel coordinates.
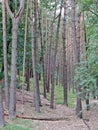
{"type": "Point", "coordinates": [42, 55]}
{"type": "Point", "coordinates": [86, 49]}
{"type": "Point", "coordinates": [35, 55]}
{"type": "Point", "coordinates": [12, 106]}
{"type": "Point", "coordinates": [15, 17]}
{"type": "Point", "coordinates": [54, 59]}
{"type": "Point", "coordinates": [24, 56]}
{"type": "Point", "coordinates": [49, 54]}
{"type": "Point", "coordinates": [64, 58]}
{"type": "Point", "coordinates": [5, 55]}
{"type": "Point", "coordinates": [1, 109]}
{"type": "Point", "coordinates": [77, 60]}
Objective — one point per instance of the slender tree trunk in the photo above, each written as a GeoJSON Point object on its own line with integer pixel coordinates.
{"type": "Point", "coordinates": [1, 109]}
{"type": "Point", "coordinates": [57, 69]}
{"type": "Point", "coordinates": [35, 55]}
{"type": "Point", "coordinates": [42, 55]}
{"type": "Point", "coordinates": [27, 75]}
{"type": "Point", "coordinates": [5, 55]}
{"type": "Point", "coordinates": [64, 58]}
{"type": "Point", "coordinates": [54, 59]}
{"type": "Point", "coordinates": [24, 56]}
{"type": "Point", "coordinates": [77, 60]}
{"type": "Point", "coordinates": [86, 49]}
{"type": "Point", "coordinates": [50, 47]}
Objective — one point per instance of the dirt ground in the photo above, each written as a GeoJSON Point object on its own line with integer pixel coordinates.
{"type": "Point", "coordinates": [60, 118]}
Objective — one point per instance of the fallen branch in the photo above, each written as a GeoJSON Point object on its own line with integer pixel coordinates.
{"type": "Point", "coordinates": [85, 122]}
{"type": "Point", "coordinates": [41, 119]}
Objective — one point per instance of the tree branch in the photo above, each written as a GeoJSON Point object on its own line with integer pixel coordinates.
{"type": "Point", "coordinates": [92, 11]}
{"type": "Point", "coordinates": [19, 13]}
{"type": "Point", "coordinates": [8, 9]}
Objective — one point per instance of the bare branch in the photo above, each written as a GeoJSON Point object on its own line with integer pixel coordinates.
{"type": "Point", "coordinates": [19, 13]}
{"type": "Point", "coordinates": [8, 9]}
{"type": "Point", "coordinates": [93, 12]}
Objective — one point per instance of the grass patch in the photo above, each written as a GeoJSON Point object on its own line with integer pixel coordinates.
{"type": "Point", "coordinates": [71, 99]}
{"type": "Point", "coordinates": [20, 124]}
{"type": "Point", "coordinates": [13, 127]}
{"type": "Point", "coordinates": [26, 123]}
{"type": "Point", "coordinates": [58, 96]}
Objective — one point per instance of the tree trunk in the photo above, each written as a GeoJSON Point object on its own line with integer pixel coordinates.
{"type": "Point", "coordinates": [1, 109]}
{"type": "Point", "coordinates": [12, 107]}
{"type": "Point", "coordinates": [54, 59]}
{"type": "Point", "coordinates": [86, 49]}
{"type": "Point", "coordinates": [50, 47]}
{"type": "Point", "coordinates": [5, 55]}
{"type": "Point", "coordinates": [42, 55]}
{"type": "Point", "coordinates": [77, 60]}
{"type": "Point", "coordinates": [27, 75]}
{"type": "Point", "coordinates": [15, 20]}
{"type": "Point", "coordinates": [35, 56]}
{"type": "Point", "coordinates": [64, 58]}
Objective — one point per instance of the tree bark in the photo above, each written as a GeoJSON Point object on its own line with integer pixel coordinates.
{"type": "Point", "coordinates": [5, 55]}
{"type": "Point", "coordinates": [64, 58]}
{"type": "Point", "coordinates": [1, 109]}
{"type": "Point", "coordinates": [12, 106]}
{"type": "Point", "coordinates": [35, 55]}
{"type": "Point", "coordinates": [27, 75]}
{"type": "Point", "coordinates": [77, 59]}
{"type": "Point", "coordinates": [54, 59]}
{"type": "Point", "coordinates": [42, 55]}
{"type": "Point", "coordinates": [49, 54]}
{"type": "Point", "coordinates": [15, 17]}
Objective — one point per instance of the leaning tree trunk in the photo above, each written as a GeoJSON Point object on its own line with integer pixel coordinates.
{"type": "Point", "coordinates": [5, 55]}
{"type": "Point", "coordinates": [15, 21]}
{"type": "Point", "coordinates": [64, 58]}
{"type": "Point", "coordinates": [1, 109]}
{"type": "Point", "coordinates": [77, 60]}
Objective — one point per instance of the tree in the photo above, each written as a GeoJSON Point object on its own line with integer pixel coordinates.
{"type": "Point", "coordinates": [54, 58]}
{"type": "Point", "coordinates": [42, 52]}
{"type": "Point", "coordinates": [50, 49]}
{"type": "Point", "coordinates": [35, 54]}
{"type": "Point", "coordinates": [16, 17]}
{"type": "Point", "coordinates": [5, 54]}
{"type": "Point", "coordinates": [1, 109]}
{"type": "Point", "coordinates": [77, 59]}
{"type": "Point", "coordinates": [24, 55]}
{"type": "Point", "coordinates": [64, 57]}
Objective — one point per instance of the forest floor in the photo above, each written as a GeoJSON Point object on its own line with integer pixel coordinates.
{"type": "Point", "coordinates": [60, 118]}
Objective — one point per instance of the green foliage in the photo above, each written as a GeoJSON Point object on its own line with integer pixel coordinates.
{"type": "Point", "coordinates": [87, 72]}
{"type": "Point", "coordinates": [38, 68]}
{"type": "Point", "coordinates": [1, 75]}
